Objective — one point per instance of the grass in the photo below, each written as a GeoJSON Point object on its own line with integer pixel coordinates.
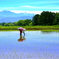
{"type": "Point", "coordinates": [42, 28]}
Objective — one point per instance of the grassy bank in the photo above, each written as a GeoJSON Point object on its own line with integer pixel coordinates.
{"type": "Point", "coordinates": [45, 28]}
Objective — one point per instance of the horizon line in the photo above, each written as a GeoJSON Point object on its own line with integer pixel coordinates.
{"type": "Point", "coordinates": [32, 12]}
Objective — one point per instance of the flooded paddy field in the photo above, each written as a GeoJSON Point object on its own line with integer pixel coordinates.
{"type": "Point", "coordinates": [36, 45]}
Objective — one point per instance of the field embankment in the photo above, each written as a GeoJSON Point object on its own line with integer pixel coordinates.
{"type": "Point", "coordinates": [29, 27]}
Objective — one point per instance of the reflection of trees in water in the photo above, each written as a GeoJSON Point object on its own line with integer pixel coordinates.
{"type": "Point", "coordinates": [22, 38]}
{"type": "Point", "coordinates": [49, 32]}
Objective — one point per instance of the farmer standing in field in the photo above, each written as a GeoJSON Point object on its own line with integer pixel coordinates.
{"type": "Point", "coordinates": [22, 30]}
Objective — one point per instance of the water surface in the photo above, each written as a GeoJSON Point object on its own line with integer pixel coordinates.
{"type": "Point", "coordinates": [37, 45]}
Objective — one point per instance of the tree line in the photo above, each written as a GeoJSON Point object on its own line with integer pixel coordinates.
{"type": "Point", "coordinates": [45, 18]}
{"type": "Point", "coordinates": [26, 22]}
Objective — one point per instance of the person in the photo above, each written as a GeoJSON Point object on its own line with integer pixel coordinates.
{"type": "Point", "coordinates": [22, 30]}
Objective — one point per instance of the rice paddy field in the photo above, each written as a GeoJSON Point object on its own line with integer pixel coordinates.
{"type": "Point", "coordinates": [36, 45]}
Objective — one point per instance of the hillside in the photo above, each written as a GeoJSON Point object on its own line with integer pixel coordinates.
{"type": "Point", "coordinates": [8, 16]}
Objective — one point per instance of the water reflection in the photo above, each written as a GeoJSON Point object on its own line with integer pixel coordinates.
{"type": "Point", "coordinates": [22, 38]}
{"type": "Point", "coordinates": [36, 46]}
{"type": "Point", "coordinates": [47, 32]}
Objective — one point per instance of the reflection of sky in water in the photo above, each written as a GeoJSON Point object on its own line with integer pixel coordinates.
{"type": "Point", "coordinates": [37, 45]}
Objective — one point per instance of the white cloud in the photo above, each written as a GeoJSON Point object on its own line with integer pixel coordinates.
{"type": "Point", "coordinates": [19, 11]}
{"type": "Point", "coordinates": [29, 6]}
{"type": "Point", "coordinates": [34, 12]}
{"type": "Point", "coordinates": [55, 11]}
{"type": "Point", "coordinates": [43, 7]}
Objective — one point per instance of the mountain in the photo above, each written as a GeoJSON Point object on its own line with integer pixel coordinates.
{"type": "Point", "coordinates": [8, 16]}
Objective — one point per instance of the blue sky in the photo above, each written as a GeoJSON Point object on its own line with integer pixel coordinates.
{"type": "Point", "coordinates": [30, 6]}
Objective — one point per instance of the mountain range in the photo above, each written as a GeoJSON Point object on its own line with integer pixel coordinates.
{"type": "Point", "coordinates": [8, 16]}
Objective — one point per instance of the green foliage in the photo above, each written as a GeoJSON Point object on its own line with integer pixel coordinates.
{"type": "Point", "coordinates": [36, 19]}
{"type": "Point", "coordinates": [43, 28]}
{"type": "Point", "coordinates": [47, 18]}
{"type": "Point", "coordinates": [3, 23]}
{"type": "Point", "coordinates": [27, 22]}
{"type": "Point", "coordinates": [8, 24]}
{"type": "Point", "coordinates": [56, 20]}
{"type": "Point", "coordinates": [24, 22]}
{"type": "Point", "coordinates": [15, 24]}
{"type": "Point", "coordinates": [20, 22]}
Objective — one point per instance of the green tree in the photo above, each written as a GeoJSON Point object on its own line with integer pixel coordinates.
{"type": "Point", "coordinates": [47, 18]}
{"type": "Point", "coordinates": [27, 22]}
{"type": "Point", "coordinates": [3, 23]}
{"type": "Point", "coordinates": [20, 23]}
{"type": "Point", "coordinates": [9, 24]}
{"type": "Point", "coordinates": [15, 23]}
{"type": "Point", "coordinates": [6, 24]}
{"type": "Point", "coordinates": [36, 19]}
{"type": "Point", "coordinates": [24, 22]}
{"type": "Point", "coordinates": [56, 20]}
{"type": "Point", "coordinates": [0, 24]}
